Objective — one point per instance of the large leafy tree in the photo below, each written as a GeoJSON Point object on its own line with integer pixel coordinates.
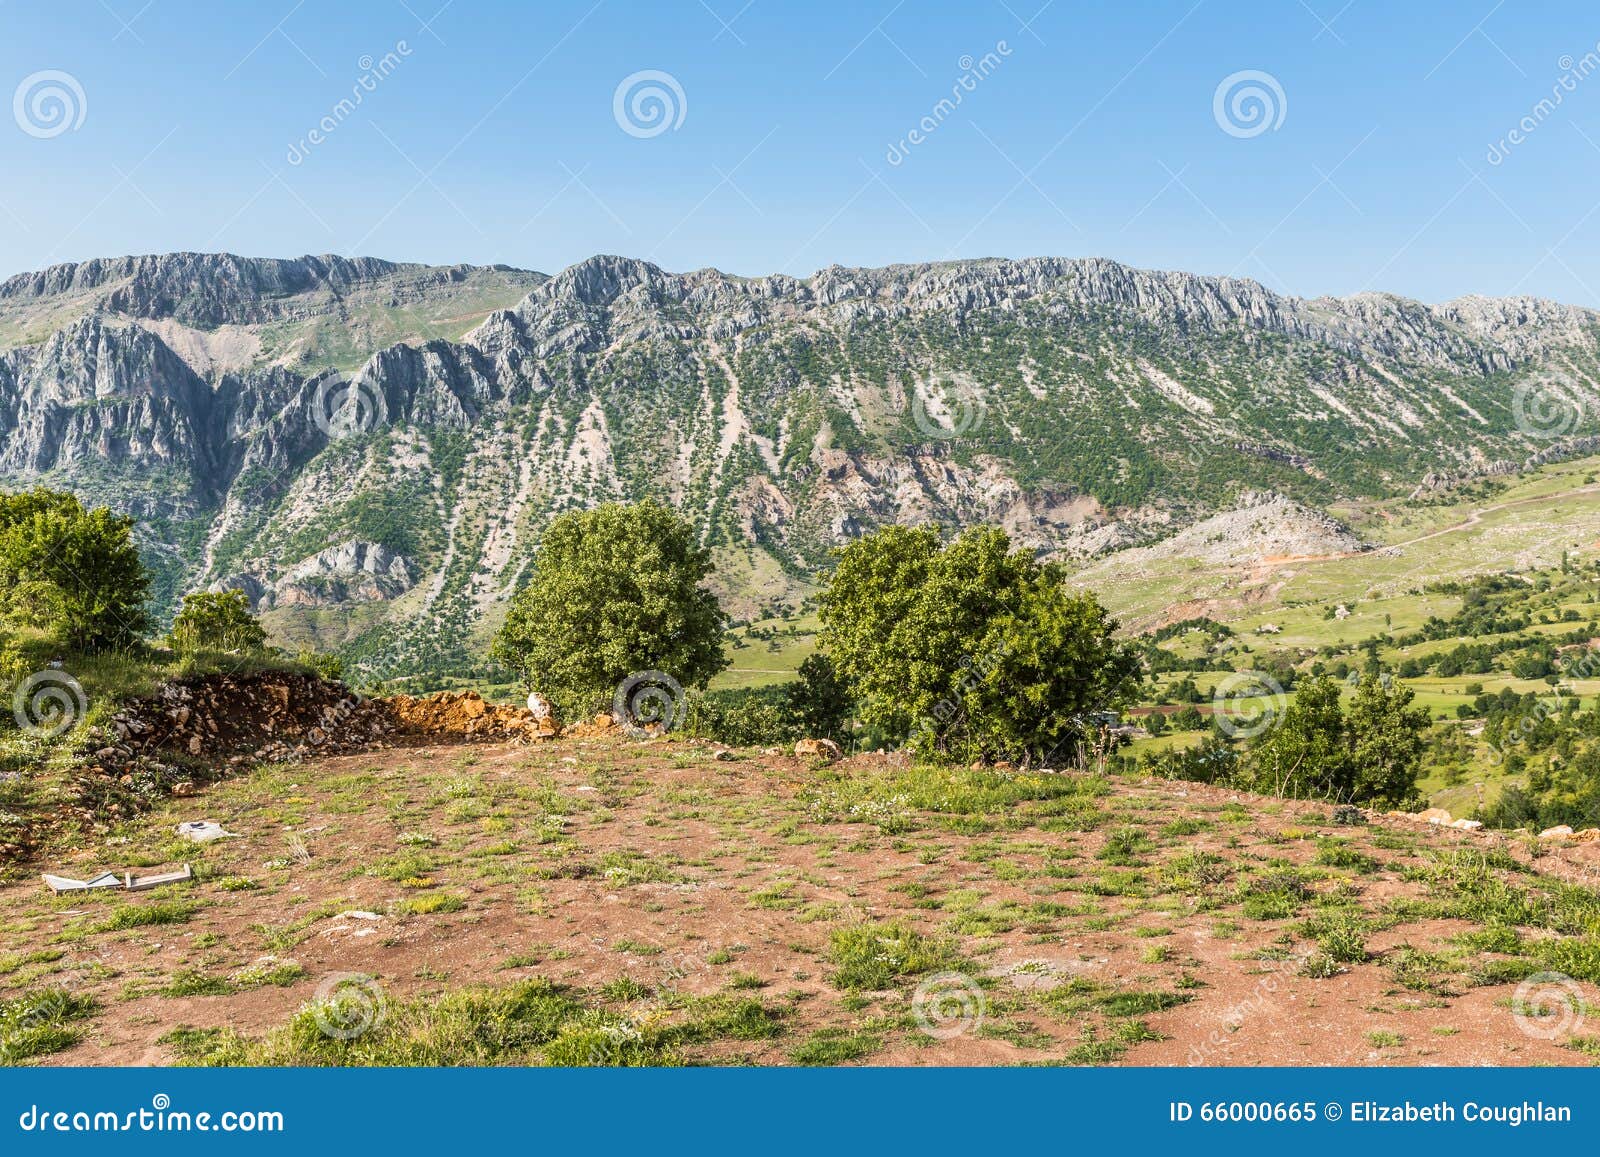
{"type": "Point", "coordinates": [972, 647]}
{"type": "Point", "coordinates": [1306, 753]}
{"type": "Point", "coordinates": [614, 591]}
{"type": "Point", "coordinates": [71, 571]}
{"type": "Point", "coordinates": [1387, 742]}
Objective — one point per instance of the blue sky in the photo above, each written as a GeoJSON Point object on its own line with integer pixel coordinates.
{"type": "Point", "coordinates": [1094, 131]}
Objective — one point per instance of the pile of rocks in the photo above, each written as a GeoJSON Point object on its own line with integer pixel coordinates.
{"type": "Point", "coordinates": [194, 731]}
{"type": "Point", "coordinates": [1563, 833]}
{"type": "Point", "coordinates": [1438, 816]}
{"type": "Point", "coordinates": [467, 715]}
{"type": "Point", "coordinates": [1441, 817]}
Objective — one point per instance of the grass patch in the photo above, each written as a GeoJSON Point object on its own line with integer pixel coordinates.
{"type": "Point", "coordinates": [872, 957]}
{"type": "Point", "coordinates": [40, 1023]}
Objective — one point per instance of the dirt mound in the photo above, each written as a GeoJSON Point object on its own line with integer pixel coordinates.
{"type": "Point", "coordinates": [1264, 528]}
{"type": "Point", "coordinates": [466, 715]}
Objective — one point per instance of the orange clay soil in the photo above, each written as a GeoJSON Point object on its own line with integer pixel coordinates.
{"type": "Point", "coordinates": [1130, 921]}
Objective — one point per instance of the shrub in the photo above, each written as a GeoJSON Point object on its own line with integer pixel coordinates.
{"type": "Point", "coordinates": [875, 956]}
{"type": "Point", "coordinates": [216, 621]}
{"type": "Point", "coordinates": [972, 647]}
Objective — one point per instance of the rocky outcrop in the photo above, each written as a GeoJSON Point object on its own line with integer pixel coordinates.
{"type": "Point", "coordinates": [351, 572]}
{"type": "Point", "coordinates": [1262, 528]}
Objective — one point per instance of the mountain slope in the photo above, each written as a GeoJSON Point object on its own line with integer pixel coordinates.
{"type": "Point", "coordinates": [1084, 405]}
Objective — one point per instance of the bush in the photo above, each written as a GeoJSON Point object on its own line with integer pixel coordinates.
{"type": "Point", "coordinates": [813, 706]}
{"type": "Point", "coordinates": [748, 717]}
{"type": "Point", "coordinates": [1370, 752]}
{"type": "Point", "coordinates": [216, 621]}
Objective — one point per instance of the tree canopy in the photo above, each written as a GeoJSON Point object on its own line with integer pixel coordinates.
{"type": "Point", "coordinates": [972, 647]}
{"type": "Point", "coordinates": [614, 591]}
{"type": "Point", "coordinates": [217, 621]}
{"type": "Point", "coordinates": [71, 571]}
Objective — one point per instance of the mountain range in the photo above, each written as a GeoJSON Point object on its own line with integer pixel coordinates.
{"type": "Point", "coordinates": [371, 449]}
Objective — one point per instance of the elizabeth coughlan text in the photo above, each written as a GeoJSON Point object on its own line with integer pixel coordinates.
{"type": "Point", "coordinates": [1369, 1113]}
{"type": "Point", "coordinates": [1526, 1113]}
{"type": "Point", "coordinates": [160, 1117]}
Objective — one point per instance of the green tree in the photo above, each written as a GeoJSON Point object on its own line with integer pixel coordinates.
{"type": "Point", "coordinates": [1387, 744]}
{"type": "Point", "coordinates": [216, 621]}
{"type": "Point", "coordinates": [819, 700]}
{"type": "Point", "coordinates": [1304, 753]}
{"type": "Point", "coordinates": [614, 591]}
{"type": "Point", "coordinates": [1368, 753]}
{"type": "Point", "coordinates": [71, 571]}
{"type": "Point", "coordinates": [972, 646]}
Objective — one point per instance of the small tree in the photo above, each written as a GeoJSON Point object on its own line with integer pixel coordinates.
{"type": "Point", "coordinates": [614, 591]}
{"type": "Point", "coordinates": [1371, 753]}
{"type": "Point", "coordinates": [1387, 742]}
{"type": "Point", "coordinates": [72, 571]}
{"type": "Point", "coordinates": [819, 700]}
{"type": "Point", "coordinates": [216, 621]}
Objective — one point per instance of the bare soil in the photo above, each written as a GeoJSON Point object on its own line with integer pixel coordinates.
{"type": "Point", "coordinates": [678, 865]}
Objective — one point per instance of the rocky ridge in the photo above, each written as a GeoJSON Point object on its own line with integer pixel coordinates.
{"type": "Point", "coordinates": [1084, 405]}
